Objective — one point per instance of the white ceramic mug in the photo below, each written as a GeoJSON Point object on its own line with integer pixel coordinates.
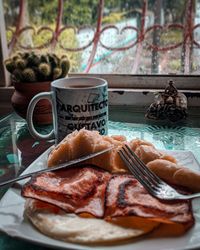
{"type": "Point", "coordinates": [77, 102]}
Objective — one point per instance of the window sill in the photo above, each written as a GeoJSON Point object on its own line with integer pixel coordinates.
{"type": "Point", "coordinates": [137, 91]}
{"type": "Point", "coordinates": [182, 82]}
{"type": "Point", "coordinates": [124, 104]}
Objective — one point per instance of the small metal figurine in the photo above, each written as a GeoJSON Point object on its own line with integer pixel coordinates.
{"type": "Point", "coordinates": [170, 104]}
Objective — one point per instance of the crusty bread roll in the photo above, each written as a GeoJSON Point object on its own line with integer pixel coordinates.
{"type": "Point", "coordinates": [75, 145]}
{"type": "Point", "coordinates": [84, 142]}
{"type": "Point", "coordinates": [148, 153]}
{"type": "Point", "coordinates": [163, 168]}
{"type": "Point", "coordinates": [135, 143]}
{"type": "Point", "coordinates": [187, 178]}
{"type": "Point", "coordinates": [176, 174]}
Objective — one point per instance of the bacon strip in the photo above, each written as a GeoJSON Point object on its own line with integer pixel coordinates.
{"type": "Point", "coordinates": [75, 190]}
{"type": "Point", "coordinates": [126, 197]}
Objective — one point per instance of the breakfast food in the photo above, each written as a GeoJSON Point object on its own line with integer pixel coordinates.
{"type": "Point", "coordinates": [163, 168]}
{"type": "Point", "coordinates": [96, 196]}
{"type": "Point", "coordinates": [100, 201]}
{"type": "Point", "coordinates": [127, 198]}
{"type": "Point", "coordinates": [149, 153]}
{"type": "Point", "coordinates": [84, 142]}
{"type": "Point", "coordinates": [69, 227]}
{"type": "Point", "coordinates": [176, 174]}
{"type": "Point", "coordinates": [71, 189]}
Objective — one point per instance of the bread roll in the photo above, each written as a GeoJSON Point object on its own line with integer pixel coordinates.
{"type": "Point", "coordinates": [163, 168]}
{"type": "Point", "coordinates": [176, 174]}
{"type": "Point", "coordinates": [187, 178]}
{"type": "Point", "coordinates": [110, 161]}
{"type": "Point", "coordinates": [135, 143]}
{"type": "Point", "coordinates": [85, 142]}
{"type": "Point", "coordinates": [63, 151]}
{"type": "Point", "coordinates": [148, 153]}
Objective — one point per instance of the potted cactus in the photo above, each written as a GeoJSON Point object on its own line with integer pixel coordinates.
{"type": "Point", "coordinates": [32, 73]}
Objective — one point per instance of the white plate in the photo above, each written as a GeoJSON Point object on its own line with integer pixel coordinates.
{"type": "Point", "coordinates": [13, 223]}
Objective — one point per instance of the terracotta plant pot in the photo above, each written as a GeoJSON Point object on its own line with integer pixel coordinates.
{"type": "Point", "coordinates": [22, 95]}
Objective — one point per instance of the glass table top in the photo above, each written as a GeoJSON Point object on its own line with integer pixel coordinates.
{"type": "Point", "coordinates": [18, 149]}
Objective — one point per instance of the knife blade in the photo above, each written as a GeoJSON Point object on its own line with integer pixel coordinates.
{"type": "Point", "coordinates": [57, 167]}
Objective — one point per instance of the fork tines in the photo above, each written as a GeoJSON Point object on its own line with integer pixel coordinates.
{"type": "Point", "coordinates": [141, 172]}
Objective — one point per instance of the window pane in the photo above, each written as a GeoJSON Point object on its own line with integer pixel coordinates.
{"type": "Point", "coordinates": [111, 36]}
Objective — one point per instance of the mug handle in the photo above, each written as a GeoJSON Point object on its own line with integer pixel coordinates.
{"type": "Point", "coordinates": [29, 115]}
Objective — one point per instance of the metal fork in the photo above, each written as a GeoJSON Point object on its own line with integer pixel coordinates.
{"type": "Point", "coordinates": [151, 182]}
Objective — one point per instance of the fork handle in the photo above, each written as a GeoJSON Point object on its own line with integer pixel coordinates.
{"type": "Point", "coordinates": [185, 197]}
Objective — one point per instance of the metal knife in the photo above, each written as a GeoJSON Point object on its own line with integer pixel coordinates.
{"type": "Point", "coordinates": [57, 167]}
